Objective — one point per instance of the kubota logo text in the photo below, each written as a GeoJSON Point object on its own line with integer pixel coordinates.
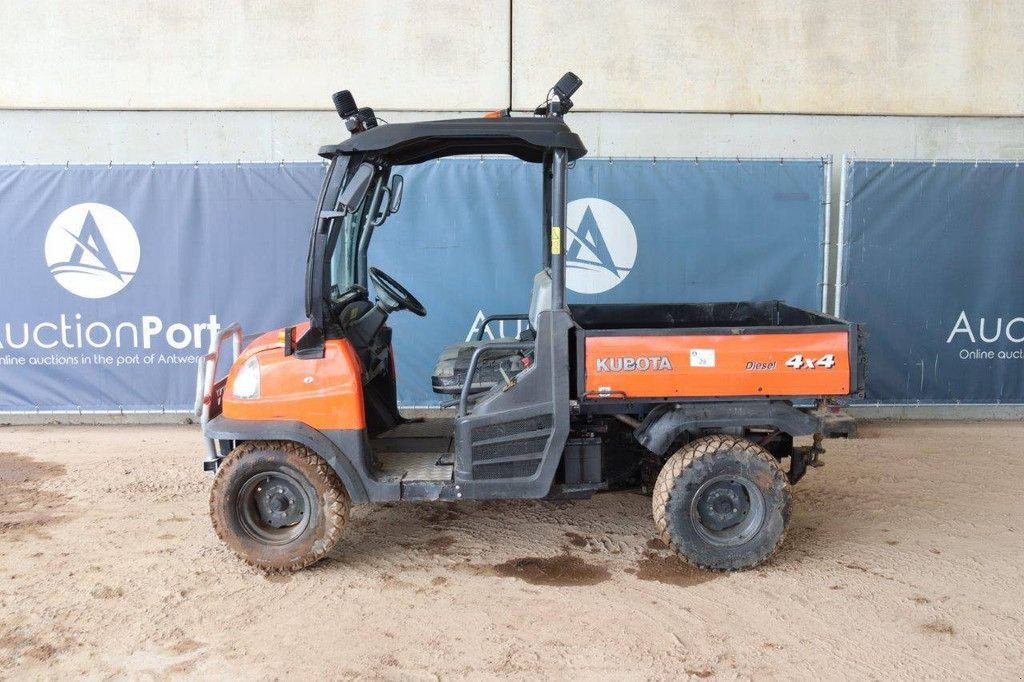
{"type": "Point", "coordinates": [647, 363]}
{"type": "Point", "coordinates": [601, 245]}
{"type": "Point", "coordinates": [92, 250]}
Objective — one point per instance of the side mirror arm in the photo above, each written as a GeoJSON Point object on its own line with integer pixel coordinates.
{"type": "Point", "coordinates": [385, 207]}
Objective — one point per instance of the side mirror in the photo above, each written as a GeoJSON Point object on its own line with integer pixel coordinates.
{"type": "Point", "coordinates": [355, 191]}
{"type": "Point", "coordinates": [391, 201]}
{"type": "Point", "coordinates": [397, 183]}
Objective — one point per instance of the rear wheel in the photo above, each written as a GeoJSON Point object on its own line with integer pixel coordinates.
{"type": "Point", "coordinates": [278, 505]}
{"type": "Point", "coordinates": [722, 503]}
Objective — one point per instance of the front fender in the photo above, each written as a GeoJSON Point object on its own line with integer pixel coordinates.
{"type": "Point", "coordinates": [664, 423]}
{"type": "Point", "coordinates": [347, 465]}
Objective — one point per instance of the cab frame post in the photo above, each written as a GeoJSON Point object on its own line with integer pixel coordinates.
{"type": "Point", "coordinates": [545, 243]}
{"type": "Point", "coordinates": [557, 241]}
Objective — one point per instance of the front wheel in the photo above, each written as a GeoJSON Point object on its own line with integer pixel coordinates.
{"type": "Point", "coordinates": [278, 505]}
{"type": "Point", "coordinates": [722, 503]}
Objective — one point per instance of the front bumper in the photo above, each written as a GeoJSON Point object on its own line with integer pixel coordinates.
{"type": "Point", "coordinates": [210, 390]}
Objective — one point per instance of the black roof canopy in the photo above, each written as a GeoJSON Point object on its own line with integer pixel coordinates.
{"type": "Point", "coordinates": [409, 143]}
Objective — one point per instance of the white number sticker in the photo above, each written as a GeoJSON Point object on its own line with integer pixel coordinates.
{"type": "Point", "coordinates": [800, 362]}
{"type": "Point", "coordinates": [702, 357]}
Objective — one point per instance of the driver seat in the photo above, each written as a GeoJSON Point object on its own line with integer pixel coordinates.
{"type": "Point", "coordinates": [453, 362]}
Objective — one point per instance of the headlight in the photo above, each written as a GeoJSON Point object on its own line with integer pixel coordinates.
{"type": "Point", "coordinates": [247, 381]}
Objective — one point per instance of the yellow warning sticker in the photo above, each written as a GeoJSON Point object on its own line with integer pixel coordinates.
{"type": "Point", "coordinates": [556, 239]}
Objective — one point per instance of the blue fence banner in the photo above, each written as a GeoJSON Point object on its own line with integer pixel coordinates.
{"type": "Point", "coordinates": [931, 256]}
{"type": "Point", "coordinates": [116, 277]}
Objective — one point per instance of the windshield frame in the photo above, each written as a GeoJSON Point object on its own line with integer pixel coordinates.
{"type": "Point", "coordinates": [324, 271]}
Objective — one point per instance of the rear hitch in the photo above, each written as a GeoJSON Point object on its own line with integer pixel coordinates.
{"type": "Point", "coordinates": [803, 457]}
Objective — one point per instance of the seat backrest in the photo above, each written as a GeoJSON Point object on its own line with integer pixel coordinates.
{"type": "Point", "coordinates": [540, 299]}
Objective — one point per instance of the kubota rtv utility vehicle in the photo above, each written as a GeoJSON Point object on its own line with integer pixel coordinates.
{"type": "Point", "coordinates": [693, 400]}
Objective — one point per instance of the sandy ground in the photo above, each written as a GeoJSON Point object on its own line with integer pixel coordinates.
{"type": "Point", "coordinates": [904, 559]}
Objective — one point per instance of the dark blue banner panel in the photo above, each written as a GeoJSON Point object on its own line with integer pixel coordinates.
{"type": "Point", "coordinates": [116, 277]}
{"type": "Point", "coordinates": [931, 262]}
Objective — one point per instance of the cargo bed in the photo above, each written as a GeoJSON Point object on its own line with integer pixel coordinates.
{"type": "Point", "coordinates": [702, 351]}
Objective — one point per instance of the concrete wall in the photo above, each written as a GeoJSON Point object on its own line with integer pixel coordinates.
{"type": "Point", "coordinates": [177, 136]}
{"type": "Point", "coordinates": [240, 54]}
{"type": "Point", "coordinates": [941, 57]}
{"type": "Point", "coordinates": [949, 57]}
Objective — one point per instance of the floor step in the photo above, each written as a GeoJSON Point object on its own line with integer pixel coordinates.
{"type": "Point", "coordinates": [415, 466]}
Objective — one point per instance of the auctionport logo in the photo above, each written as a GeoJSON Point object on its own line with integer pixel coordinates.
{"type": "Point", "coordinates": [92, 250]}
{"type": "Point", "coordinates": [601, 248]}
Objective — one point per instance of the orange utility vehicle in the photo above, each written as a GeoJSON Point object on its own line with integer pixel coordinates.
{"type": "Point", "coordinates": [699, 402]}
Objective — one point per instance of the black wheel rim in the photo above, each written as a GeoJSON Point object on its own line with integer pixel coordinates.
{"type": "Point", "coordinates": [727, 510]}
{"type": "Point", "coordinates": [273, 507]}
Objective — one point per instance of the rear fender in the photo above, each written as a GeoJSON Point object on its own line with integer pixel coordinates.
{"type": "Point", "coordinates": [665, 423]}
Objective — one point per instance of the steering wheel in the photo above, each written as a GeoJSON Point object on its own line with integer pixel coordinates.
{"type": "Point", "coordinates": [399, 295]}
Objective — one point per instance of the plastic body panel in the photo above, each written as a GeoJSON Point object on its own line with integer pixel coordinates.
{"type": "Point", "coordinates": [712, 365]}
{"type": "Point", "coordinates": [324, 393]}
{"type": "Point", "coordinates": [345, 451]}
{"type": "Point", "coordinates": [628, 356]}
{"type": "Point", "coordinates": [539, 401]}
{"type": "Point", "coordinates": [666, 422]}
{"type": "Point", "coordinates": [526, 138]}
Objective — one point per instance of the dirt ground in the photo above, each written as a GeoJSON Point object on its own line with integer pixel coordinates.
{"type": "Point", "coordinates": [904, 559]}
